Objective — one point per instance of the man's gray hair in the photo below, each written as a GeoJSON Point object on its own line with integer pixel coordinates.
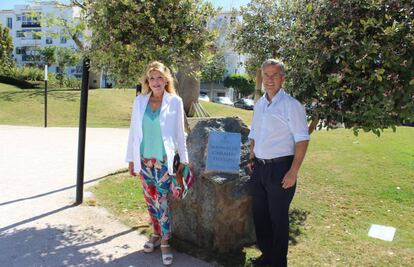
{"type": "Point", "coordinates": [274, 62]}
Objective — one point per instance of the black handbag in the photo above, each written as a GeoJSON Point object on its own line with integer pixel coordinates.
{"type": "Point", "coordinates": [176, 162]}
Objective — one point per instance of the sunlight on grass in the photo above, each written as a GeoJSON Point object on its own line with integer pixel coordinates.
{"type": "Point", "coordinates": [346, 184]}
{"type": "Point", "coordinates": [106, 107]}
{"type": "Point", "coordinates": [219, 110]}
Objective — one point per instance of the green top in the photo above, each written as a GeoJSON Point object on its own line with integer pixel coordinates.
{"type": "Point", "coordinates": [152, 145]}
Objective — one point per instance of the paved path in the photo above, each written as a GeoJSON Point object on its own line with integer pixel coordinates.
{"type": "Point", "coordinates": [39, 226]}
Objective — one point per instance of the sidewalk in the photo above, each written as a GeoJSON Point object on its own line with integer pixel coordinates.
{"type": "Point", "coordinates": [39, 226]}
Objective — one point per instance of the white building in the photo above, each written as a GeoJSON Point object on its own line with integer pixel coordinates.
{"type": "Point", "coordinates": [223, 24]}
{"type": "Point", "coordinates": [29, 35]}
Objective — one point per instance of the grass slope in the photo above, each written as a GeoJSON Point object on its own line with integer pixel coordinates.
{"type": "Point", "coordinates": [217, 110]}
{"type": "Point", "coordinates": [346, 184]}
{"type": "Point", "coordinates": [106, 107]}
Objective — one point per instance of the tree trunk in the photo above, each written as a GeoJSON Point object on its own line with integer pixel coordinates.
{"type": "Point", "coordinates": [188, 85]}
{"type": "Point", "coordinates": [258, 89]}
{"type": "Point", "coordinates": [313, 124]}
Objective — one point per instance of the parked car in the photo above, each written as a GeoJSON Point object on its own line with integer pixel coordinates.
{"type": "Point", "coordinates": [244, 103]}
{"type": "Point", "coordinates": [204, 97]}
{"type": "Point", "coordinates": [223, 100]}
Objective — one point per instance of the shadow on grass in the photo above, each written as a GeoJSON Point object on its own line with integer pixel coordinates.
{"type": "Point", "coordinates": [70, 95]}
{"type": "Point", "coordinates": [297, 219]}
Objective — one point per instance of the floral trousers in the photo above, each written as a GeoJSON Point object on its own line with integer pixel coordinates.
{"type": "Point", "coordinates": [156, 185]}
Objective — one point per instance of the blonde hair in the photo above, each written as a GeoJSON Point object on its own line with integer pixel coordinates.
{"type": "Point", "coordinates": [165, 72]}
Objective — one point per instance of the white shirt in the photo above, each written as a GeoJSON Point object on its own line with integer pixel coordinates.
{"type": "Point", "coordinates": [277, 126]}
{"type": "Point", "coordinates": [172, 130]}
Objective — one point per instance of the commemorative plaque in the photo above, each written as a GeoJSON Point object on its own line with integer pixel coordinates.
{"type": "Point", "coordinates": [223, 152]}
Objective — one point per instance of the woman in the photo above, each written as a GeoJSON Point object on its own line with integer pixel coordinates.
{"type": "Point", "coordinates": [156, 134]}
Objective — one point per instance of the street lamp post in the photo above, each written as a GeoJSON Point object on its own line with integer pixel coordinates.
{"type": "Point", "coordinates": [45, 96]}
{"type": "Point", "coordinates": [82, 131]}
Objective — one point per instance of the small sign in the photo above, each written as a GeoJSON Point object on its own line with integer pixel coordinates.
{"type": "Point", "coordinates": [382, 232]}
{"type": "Point", "coordinates": [223, 152]}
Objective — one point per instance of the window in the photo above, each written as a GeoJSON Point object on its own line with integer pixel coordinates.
{"type": "Point", "coordinates": [18, 18]}
{"type": "Point", "coordinates": [28, 20]}
{"type": "Point", "coordinates": [232, 19]}
{"type": "Point", "coordinates": [29, 34]}
{"type": "Point", "coordinates": [10, 23]}
{"type": "Point", "coordinates": [63, 40]}
{"type": "Point", "coordinates": [49, 40]}
{"type": "Point", "coordinates": [20, 34]}
{"type": "Point", "coordinates": [20, 50]}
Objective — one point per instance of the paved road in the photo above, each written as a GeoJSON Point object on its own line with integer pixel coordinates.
{"type": "Point", "coordinates": [39, 226]}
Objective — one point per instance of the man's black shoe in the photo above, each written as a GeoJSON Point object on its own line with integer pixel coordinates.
{"type": "Point", "coordinates": [260, 261]}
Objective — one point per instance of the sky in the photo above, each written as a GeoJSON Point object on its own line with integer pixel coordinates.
{"type": "Point", "coordinates": [225, 4]}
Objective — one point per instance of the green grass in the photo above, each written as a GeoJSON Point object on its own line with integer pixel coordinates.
{"type": "Point", "coordinates": [106, 107]}
{"type": "Point", "coordinates": [122, 195]}
{"type": "Point", "coordinates": [346, 183]}
{"type": "Point", "coordinates": [349, 183]}
{"type": "Point", "coordinates": [218, 110]}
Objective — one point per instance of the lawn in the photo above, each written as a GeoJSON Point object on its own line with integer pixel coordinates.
{"type": "Point", "coordinates": [106, 108]}
{"type": "Point", "coordinates": [346, 184]}
{"type": "Point", "coordinates": [216, 110]}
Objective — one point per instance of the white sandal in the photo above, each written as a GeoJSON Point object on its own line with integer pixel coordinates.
{"type": "Point", "coordinates": [167, 258]}
{"type": "Point", "coordinates": [150, 246]}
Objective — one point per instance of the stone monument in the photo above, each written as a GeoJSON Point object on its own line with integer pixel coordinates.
{"type": "Point", "coordinates": [216, 214]}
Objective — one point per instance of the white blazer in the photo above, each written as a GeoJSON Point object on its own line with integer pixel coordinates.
{"type": "Point", "coordinates": [172, 129]}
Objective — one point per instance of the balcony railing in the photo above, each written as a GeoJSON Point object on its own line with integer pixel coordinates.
{"type": "Point", "coordinates": [30, 58]}
{"type": "Point", "coordinates": [30, 24]}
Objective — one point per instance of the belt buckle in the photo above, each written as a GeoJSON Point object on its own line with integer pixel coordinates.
{"type": "Point", "coordinates": [262, 161]}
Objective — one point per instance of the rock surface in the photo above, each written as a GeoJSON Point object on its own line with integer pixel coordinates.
{"type": "Point", "coordinates": [216, 214]}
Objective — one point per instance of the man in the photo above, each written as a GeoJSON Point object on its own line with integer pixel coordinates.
{"type": "Point", "coordinates": [278, 141]}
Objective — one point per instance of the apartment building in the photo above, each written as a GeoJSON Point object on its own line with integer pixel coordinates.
{"type": "Point", "coordinates": [30, 35]}
{"type": "Point", "coordinates": [223, 24]}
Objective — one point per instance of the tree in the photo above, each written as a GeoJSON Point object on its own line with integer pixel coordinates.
{"type": "Point", "coordinates": [354, 67]}
{"type": "Point", "coordinates": [47, 54]}
{"type": "Point", "coordinates": [65, 57]}
{"type": "Point", "coordinates": [241, 83]}
{"type": "Point", "coordinates": [72, 28]}
{"type": "Point", "coordinates": [214, 68]}
{"type": "Point", "coordinates": [359, 64]}
{"type": "Point", "coordinates": [259, 35]}
{"type": "Point", "coordinates": [127, 35]}
{"type": "Point", "coordinates": [6, 49]}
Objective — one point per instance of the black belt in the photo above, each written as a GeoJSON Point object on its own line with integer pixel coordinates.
{"type": "Point", "coordinates": [274, 160]}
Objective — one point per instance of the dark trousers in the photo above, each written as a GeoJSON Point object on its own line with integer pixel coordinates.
{"type": "Point", "coordinates": [271, 210]}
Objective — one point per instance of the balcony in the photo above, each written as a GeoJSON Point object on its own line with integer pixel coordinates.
{"type": "Point", "coordinates": [29, 42]}
{"type": "Point", "coordinates": [31, 25]}
{"type": "Point", "coordinates": [30, 58]}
